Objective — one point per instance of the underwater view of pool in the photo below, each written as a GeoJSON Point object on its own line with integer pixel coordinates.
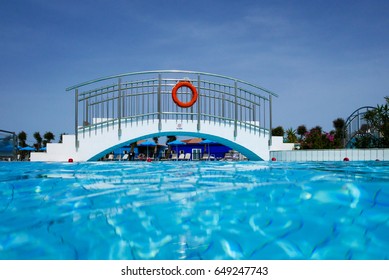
{"type": "Point", "coordinates": [194, 210]}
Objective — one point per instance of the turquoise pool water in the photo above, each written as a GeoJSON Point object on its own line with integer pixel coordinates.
{"type": "Point", "coordinates": [194, 210]}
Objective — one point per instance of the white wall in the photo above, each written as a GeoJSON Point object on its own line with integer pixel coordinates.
{"type": "Point", "coordinates": [58, 151]}
{"type": "Point", "coordinates": [279, 145]}
{"type": "Point", "coordinates": [331, 155]}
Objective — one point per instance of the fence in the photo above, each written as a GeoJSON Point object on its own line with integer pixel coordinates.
{"type": "Point", "coordinates": [331, 155]}
{"type": "Point", "coordinates": [110, 102]}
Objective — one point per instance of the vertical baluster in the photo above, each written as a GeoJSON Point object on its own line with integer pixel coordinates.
{"type": "Point", "coordinates": [159, 100]}
{"type": "Point", "coordinates": [119, 108]}
{"type": "Point", "coordinates": [270, 120]}
{"type": "Point", "coordinates": [236, 109]}
{"type": "Point", "coordinates": [76, 117]}
{"type": "Point", "coordinates": [199, 92]}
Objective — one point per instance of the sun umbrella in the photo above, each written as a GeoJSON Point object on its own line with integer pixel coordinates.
{"type": "Point", "coordinates": [207, 142]}
{"type": "Point", "coordinates": [148, 144]}
{"type": "Point", "coordinates": [28, 148]}
{"type": "Point", "coordinates": [176, 143]}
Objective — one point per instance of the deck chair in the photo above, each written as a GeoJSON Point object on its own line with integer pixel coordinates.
{"type": "Point", "coordinates": [174, 157]}
{"type": "Point", "coordinates": [181, 157]}
{"type": "Point", "coordinates": [187, 156]}
{"type": "Point", "coordinates": [110, 157]}
{"type": "Point", "coordinates": [205, 157]}
{"type": "Point", "coordinates": [228, 156]}
{"type": "Point", "coordinates": [125, 157]}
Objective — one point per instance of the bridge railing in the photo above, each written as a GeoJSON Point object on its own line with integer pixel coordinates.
{"type": "Point", "coordinates": [111, 102]}
{"type": "Point", "coordinates": [356, 125]}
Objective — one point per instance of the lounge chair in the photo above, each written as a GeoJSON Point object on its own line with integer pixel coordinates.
{"type": "Point", "coordinates": [228, 157]}
{"type": "Point", "coordinates": [110, 157]}
{"type": "Point", "coordinates": [187, 156]}
{"type": "Point", "coordinates": [174, 157]}
{"type": "Point", "coordinates": [205, 157]}
{"type": "Point", "coordinates": [181, 157]}
{"type": "Point", "coordinates": [125, 157]}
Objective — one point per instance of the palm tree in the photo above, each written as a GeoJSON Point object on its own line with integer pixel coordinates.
{"type": "Point", "coordinates": [302, 130]}
{"type": "Point", "coordinates": [156, 145]}
{"type": "Point", "coordinates": [170, 138]}
{"type": "Point", "coordinates": [291, 135]}
{"type": "Point", "coordinates": [61, 137]}
{"type": "Point", "coordinates": [38, 139]}
{"type": "Point", "coordinates": [340, 132]}
{"type": "Point", "coordinates": [278, 131]}
{"type": "Point", "coordinates": [133, 146]}
{"type": "Point", "coordinates": [48, 137]}
{"type": "Point", "coordinates": [22, 137]}
{"type": "Point", "coordinates": [378, 120]}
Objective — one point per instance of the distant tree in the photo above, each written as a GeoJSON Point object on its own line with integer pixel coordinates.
{"type": "Point", "coordinates": [133, 146]}
{"type": "Point", "coordinates": [169, 139]}
{"type": "Point", "coordinates": [340, 132]}
{"type": "Point", "coordinates": [61, 137]}
{"type": "Point", "coordinates": [291, 135]}
{"type": "Point", "coordinates": [155, 139]}
{"type": "Point", "coordinates": [378, 120]}
{"type": "Point", "coordinates": [365, 141]}
{"type": "Point", "coordinates": [301, 131]}
{"type": "Point", "coordinates": [22, 138]}
{"type": "Point", "coordinates": [278, 131]}
{"type": "Point", "coordinates": [48, 137]}
{"type": "Point", "coordinates": [318, 129]}
{"type": "Point", "coordinates": [339, 124]}
{"type": "Point", "coordinates": [317, 139]}
{"type": "Point", "coordinates": [364, 128]}
{"type": "Point", "coordinates": [38, 139]}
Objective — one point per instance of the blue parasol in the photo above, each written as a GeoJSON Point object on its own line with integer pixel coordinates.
{"type": "Point", "coordinates": [148, 144]}
{"type": "Point", "coordinates": [27, 148]}
{"type": "Point", "coordinates": [176, 143]}
{"type": "Point", "coordinates": [207, 142]}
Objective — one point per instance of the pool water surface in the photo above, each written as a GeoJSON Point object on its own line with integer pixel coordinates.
{"type": "Point", "coordinates": [194, 210]}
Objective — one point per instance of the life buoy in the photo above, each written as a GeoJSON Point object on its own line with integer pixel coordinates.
{"type": "Point", "coordinates": [179, 102]}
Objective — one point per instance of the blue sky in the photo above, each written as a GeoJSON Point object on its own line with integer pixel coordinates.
{"type": "Point", "coordinates": [324, 58]}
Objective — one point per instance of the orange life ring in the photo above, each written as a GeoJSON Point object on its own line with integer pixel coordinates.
{"type": "Point", "coordinates": [191, 87]}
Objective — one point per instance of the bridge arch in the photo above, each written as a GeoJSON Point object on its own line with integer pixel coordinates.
{"type": "Point", "coordinates": [104, 146]}
{"type": "Point", "coordinates": [115, 110]}
{"type": "Point", "coordinates": [355, 125]}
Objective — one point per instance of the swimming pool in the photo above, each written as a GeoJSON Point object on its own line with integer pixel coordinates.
{"type": "Point", "coordinates": [194, 210]}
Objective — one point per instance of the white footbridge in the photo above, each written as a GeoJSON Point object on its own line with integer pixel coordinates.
{"type": "Point", "coordinates": [114, 111]}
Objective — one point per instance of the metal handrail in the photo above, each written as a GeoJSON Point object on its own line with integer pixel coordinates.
{"type": "Point", "coordinates": [349, 122]}
{"type": "Point", "coordinates": [167, 71]}
{"type": "Point", "coordinates": [239, 103]}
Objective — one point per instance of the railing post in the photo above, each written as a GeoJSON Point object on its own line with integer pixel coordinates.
{"type": "Point", "coordinates": [119, 108]}
{"type": "Point", "coordinates": [270, 120]}
{"type": "Point", "coordinates": [76, 118]}
{"type": "Point", "coordinates": [159, 102]}
{"type": "Point", "coordinates": [198, 103]}
{"type": "Point", "coordinates": [236, 110]}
